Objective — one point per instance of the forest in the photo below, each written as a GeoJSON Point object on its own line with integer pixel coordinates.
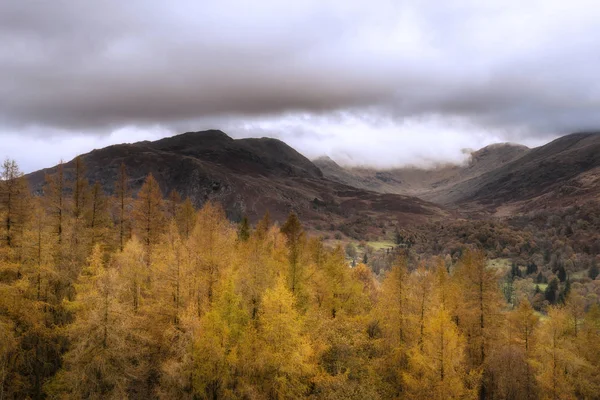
{"type": "Point", "coordinates": [113, 296]}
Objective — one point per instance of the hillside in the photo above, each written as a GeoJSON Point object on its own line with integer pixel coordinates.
{"type": "Point", "coordinates": [431, 184]}
{"type": "Point", "coordinates": [249, 177]}
{"type": "Point", "coordinates": [501, 178]}
{"type": "Point", "coordinates": [563, 172]}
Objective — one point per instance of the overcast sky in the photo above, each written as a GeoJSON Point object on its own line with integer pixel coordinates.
{"type": "Point", "coordinates": [378, 82]}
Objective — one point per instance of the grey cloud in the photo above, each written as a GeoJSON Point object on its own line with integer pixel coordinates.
{"type": "Point", "coordinates": [522, 69]}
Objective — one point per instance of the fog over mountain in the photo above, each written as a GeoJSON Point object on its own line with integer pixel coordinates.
{"type": "Point", "coordinates": [382, 83]}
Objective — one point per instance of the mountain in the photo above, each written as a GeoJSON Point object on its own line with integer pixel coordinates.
{"type": "Point", "coordinates": [247, 176]}
{"type": "Point", "coordinates": [431, 184]}
{"type": "Point", "coordinates": [500, 178]}
{"type": "Point", "coordinates": [563, 172]}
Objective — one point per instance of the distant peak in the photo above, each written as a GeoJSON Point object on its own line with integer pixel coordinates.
{"type": "Point", "coordinates": [505, 145]}
{"type": "Point", "coordinates": [211, 133]}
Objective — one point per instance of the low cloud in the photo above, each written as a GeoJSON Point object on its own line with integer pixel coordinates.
{"type": "Point", "coordinates": [424, 78]}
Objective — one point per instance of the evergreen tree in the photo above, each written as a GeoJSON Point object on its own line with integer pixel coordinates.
{"type": "Point", "coordinates": [551, 291]}
{"type": "Point", "coordinates": [562, 273]}
{"type": "Point", "coordinates": [594, 271]}
{"type": "Point", "coordinates": [244, 229]}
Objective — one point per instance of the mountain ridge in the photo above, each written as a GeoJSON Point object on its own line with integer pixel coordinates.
{"type": "Point", "coordinates": [503, 176]}
{"type": "Point", "coordinates": [248, 177]}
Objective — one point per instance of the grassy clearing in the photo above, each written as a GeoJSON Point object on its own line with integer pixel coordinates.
{"type": "Point", "coordinates": [383, 244]}
{"type": "Point", "coordinates": [542, 286]}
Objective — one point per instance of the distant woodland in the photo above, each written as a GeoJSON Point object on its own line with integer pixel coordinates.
{"type": "Point", "coordinates": [121, 296]}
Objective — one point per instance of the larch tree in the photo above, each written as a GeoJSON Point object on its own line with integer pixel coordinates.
{"type": "Point", "coordinates": [342, 291]}
{"type": "Point", "coordinates": [99, 217]}
{"type": "Point", "coordinates": [213, 240]}
{"type": "Point", "coordinates": [40, 250]}
{"type": "Point", "coordinates": [122, 201]}
{"type": "Point", "coordinates": [508, 369]}
{"type": "Point", "coordinates": [79, 189]}
{"type": "Point", "coordinates": [215, 348]}
{"type": "Point", "coordinates": [588, 382]}
{"type": "Point", "coordinates": [8, 350]}
{"type": "Point", "coordinates": [292, 229]}
{"type": "Point", "coordinates": [186, 218]}
{"type": "Point", "coordinates": [80, 237]}
{"type": "Point", "coordinates": [133, 272]}
{"type": "Point", "coordinates": [14, 196]}
{"type": "Point", "coordinates": [99, 360]}
{"type": "Point", "coordinates": [420, 299]}
{"type": "Point", "coordinates": [172, 270]}
{"type": "Point", "coordinates": [556, 361]}
{"type": "Point", "coordinates": [172, 204]}
{"type": "Point", "coordinates": [149, 216]}
{"type": "Point", "coordinates": [393, 315]}
{"type": "Point", "coordinates": [436, 368]}
{"type": "Point", "coordinates": [276, 352]}
{"type": "Point", "coordinates": [479, 314]}
{"type": "Point", "coordinates": [523, 323]}
{"type": "Point", "coordinates": [256, 272]}
{"type": "Point", "coordinates": [54, 194]}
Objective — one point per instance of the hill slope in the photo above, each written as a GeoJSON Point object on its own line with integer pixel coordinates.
{"type": "Point", "coordinates": [563, 172]}
{"type": "Point", "coordinates": [504, 178]}
{"type": "Point", "coordinates": [430, 184]}
{"type": "Point", "coordinates": [248, 176]}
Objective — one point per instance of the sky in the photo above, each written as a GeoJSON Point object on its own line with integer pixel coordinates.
{"type": "Point", "coordinates": [381, 82]}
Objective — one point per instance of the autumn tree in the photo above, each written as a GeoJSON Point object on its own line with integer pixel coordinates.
{"type": "Point", "coordinates": [54, 195]}
{"type": "Point", "coordinates": [220, 332]}
{"type": "Point", "coordinates": [149, 216]}
{"type": "Point", "coordinates": [257, 269]}
{"type": "Point", "coordinates": [213, 240]}
{"type": "Point", "coordinates": [122, 200]}
{"type": "Point", "coordinates": [99, 362]}
{"type": "Point", "coordinates": [436, 367]}
{"type": "Point", "coordinates": [292, 229]}
{"type": "Point", "coordinates": [99, 218]}
{"type": "Point", "coordinates": [244, 229]}
{"type": "Point", "coordinates": [479, 314]}
{"type": "Point", "coordinates": [186, 218]}
{"type": "Point", "coordinates": [133, 272]}
{"type": "Point", "coordinates": [14, 195]}
{"type": "Point", "coordinates": [556, 360]}
{"type": "Point", "coordinates": [172, 270]}
{"type": "Point", "coordinates": [276, 353]}
{"type": "Point", "coordinates": [79, 188]}
{"type": "Point", "coordinates": [508, 365]}
{"type": "Point", "coordinates": [172, 204]}
{"type": "Point", "coordinates": [393, 316]}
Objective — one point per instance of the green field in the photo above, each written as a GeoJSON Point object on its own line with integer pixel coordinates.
{"type": "Point", "coordinates": [542, 286]}
{"type": "Point", "coordinates": [382, 244]}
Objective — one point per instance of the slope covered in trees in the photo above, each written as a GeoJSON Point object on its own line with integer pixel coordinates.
{"type": "Point", "coordinates": [112, 297]}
